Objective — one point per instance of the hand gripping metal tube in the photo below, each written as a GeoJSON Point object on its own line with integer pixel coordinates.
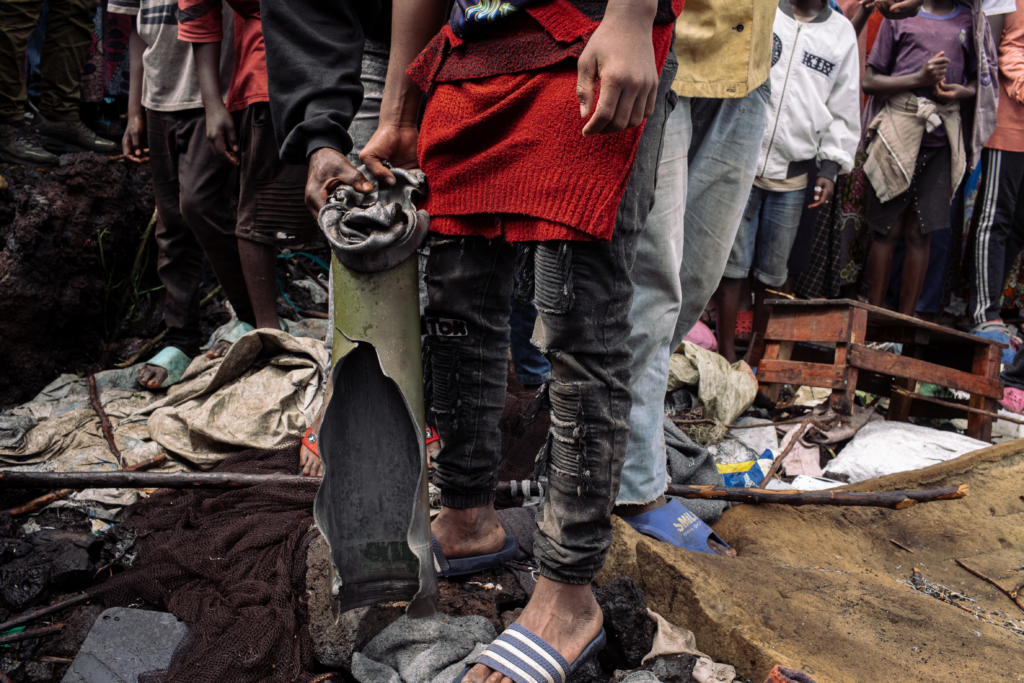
{"type": "Point", "coordinates": [372, 506]}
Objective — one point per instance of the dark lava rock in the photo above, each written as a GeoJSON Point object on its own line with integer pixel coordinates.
{"type": "Point", "coordinates": [666, 669]}
{"type": "Point", "coordinates": [629, 628]}
{"type": "Point", "coordinates": [57, 560]}
{"type": "Point", "coordinates": [66, 235]}
{"type": "Point", "coordinates": [488, 594]}
{"type": "Point", "coordinates": [590, 672]}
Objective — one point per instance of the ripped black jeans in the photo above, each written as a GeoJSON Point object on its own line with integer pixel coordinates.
{"type": "Point", "coordinates": [583, 294]}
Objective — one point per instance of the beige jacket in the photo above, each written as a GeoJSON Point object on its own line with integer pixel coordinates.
{"type": "Point", "coordinates": [896, 135]}
{"type": "Point", "coordinates": [724, 47]}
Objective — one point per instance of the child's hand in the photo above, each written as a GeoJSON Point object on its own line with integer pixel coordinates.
{"type": "Point", "coordinates": [868, 5]}
{"type": "Point", "coordinates": [945, 92]}
{"type": "Point", "coordinates": [823, 190]}
{"type": "Point", "coordinates": [934, 70]}
{"type": "Point", "coordinates": [220, 131]}
{"type": "Point", "coordinates": [131, 143]}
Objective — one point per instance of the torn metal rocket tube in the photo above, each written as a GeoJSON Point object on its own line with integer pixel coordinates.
{"type": "Point", "coordinates": [372, 506]}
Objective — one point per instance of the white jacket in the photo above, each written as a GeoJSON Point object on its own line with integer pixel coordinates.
{"type": "Point", "coordinates": [814, 112]}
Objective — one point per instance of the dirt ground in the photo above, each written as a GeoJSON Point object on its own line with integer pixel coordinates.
{"type": "Point", "coordinates": [825, 589]}
{"type": "Point", "coordinates": [68, 237]}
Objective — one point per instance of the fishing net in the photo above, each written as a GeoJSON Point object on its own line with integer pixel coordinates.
{"type": "Point", "coordinates": [231, 565]}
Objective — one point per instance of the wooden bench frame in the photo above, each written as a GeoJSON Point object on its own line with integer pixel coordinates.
{"type": "Point", "coordinates": [849, 326]}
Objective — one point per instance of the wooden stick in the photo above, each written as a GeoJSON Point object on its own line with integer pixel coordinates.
{"type": "Point", "coordinates": [900, 545]}
{"type": "Point", "coordinates": [1016, 589]}
{"type": "Point", "coordinates": [958, 406]}
{"type": "Point", "coordinates": [314, 314]}
{"type": "Point", "coordinates": [145, 480]}
{"type": "Point", "coordinates": [992, 582]}
{"type": "Point", "coordinates": [34, 633]}
{"type": "Point", "coordinates": [233, 480]}
{"type": "Point", "coordinates": [42, 501]}
{"type": "Point", "coordinates": [889, 499]}
{"type": "Point", "coordinates": [777, 463]}
{"type": "Point", "coordinates": [44, 611]}
{"type": "Point", "coordinates": [108, 432]}
{"type": "Point", "coordinates": [56, 660]}
{"type": "Point", "coordinates": [312, 275]}
{"type": "Point", "coordinates": [731, 427]}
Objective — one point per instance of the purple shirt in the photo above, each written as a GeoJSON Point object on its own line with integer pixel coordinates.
{"type": "Point", "coordinates": [903, 47]}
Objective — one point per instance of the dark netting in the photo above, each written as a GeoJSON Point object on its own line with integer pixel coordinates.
{"type": "Point", "coordinates": [231, 565]}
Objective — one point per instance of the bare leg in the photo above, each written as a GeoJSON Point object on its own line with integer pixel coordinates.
{"type": "Point", "coordinates": [761, 311]}
{"type": "Point", "coordinates": [880, 262]}
{"type": "Point", "coordinates": [915, 265]}
{"type": "Point", "coordinates": [727, 299]}
{"type": "Point", "coordinates": [565, 615]}
{"type": "Point", "coordinates": [258, 262]}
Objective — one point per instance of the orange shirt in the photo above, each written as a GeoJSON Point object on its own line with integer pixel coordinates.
{"type": "Point", "coordinates": [1009, 133]}
{"type": "Point", "coordinates": [200, 21]}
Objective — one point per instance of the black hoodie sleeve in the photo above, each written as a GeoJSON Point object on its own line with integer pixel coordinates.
{"type": "Point", "coordinates": [314, 54]}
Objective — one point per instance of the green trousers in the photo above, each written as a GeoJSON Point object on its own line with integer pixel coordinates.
{"type": "Point", "coordinates": [68, 35]}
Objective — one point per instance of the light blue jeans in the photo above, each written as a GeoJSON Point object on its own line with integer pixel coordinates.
{"type": "Point", "coordinates": [707, 168]}
{"type": "Point", "coordinates": [766, 236]}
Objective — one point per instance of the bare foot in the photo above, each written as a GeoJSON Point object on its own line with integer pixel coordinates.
{"type": "Point", "coordinates": [468, 533]}
{"type": "Point", "coordinates": [312, 465]}
{"type": "Point", "coordinates": [218, 350]}
{"type": "Point", "coordinates": [566, 616]}
{"type": "Point", "coordinates": [152, 376]}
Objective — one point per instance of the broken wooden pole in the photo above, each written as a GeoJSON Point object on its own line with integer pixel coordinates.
{"type": "Point", "coordinates": [896, 500]}
{"type": "Point", "coordinates": [45, 611]}
{"type": "Point", "coordinates": [34, 633]}
{"type": "Point", "coordinates": [145, 480]}
{"type": "Point", "coordinates": [959, 406]}
{"type": "Point", "coordinates": [108, 432]}
{"type": "Point", "coordinates": [42, 501]}
{"type": "Point", "coordinates": [233, 480]}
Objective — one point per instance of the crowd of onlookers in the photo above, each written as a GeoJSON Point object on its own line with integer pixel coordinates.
{"type": "Point", "coordinates": [888, 169]}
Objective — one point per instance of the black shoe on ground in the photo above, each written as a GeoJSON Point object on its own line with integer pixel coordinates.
{"type": "Point", "coordinates": [64, 137]}
{"type": "Point", "coordinates": [19, 146]}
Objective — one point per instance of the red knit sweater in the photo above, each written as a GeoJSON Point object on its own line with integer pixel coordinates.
{"type": "Point", "coordinates": [501, 140]}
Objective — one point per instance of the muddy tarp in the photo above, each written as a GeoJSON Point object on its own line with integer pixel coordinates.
{"type": "Point", "coordinates": [827, 591]}
{"type": "Point", "coordinates": [263, 394]}
{"type": "Point", "coordinates": [58, 431]}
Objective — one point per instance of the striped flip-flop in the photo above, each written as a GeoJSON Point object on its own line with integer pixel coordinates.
{"type": "Point", "coordinates": [465, 566]}
{"type": "Point", "coordinates": [524, 657]}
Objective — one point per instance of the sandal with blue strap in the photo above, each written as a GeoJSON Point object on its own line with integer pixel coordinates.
{"type": "Point", "coordinates": [674, 523]}
{"type": "Point", "coordinates": [465, 566]}
{"type": "Point", "coordinates": [524, 657]}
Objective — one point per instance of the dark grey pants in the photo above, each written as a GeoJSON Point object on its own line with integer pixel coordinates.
{"type": "Point", "coordinates": [583, 293]}
{"type": "Point", "coordinates": [193, 190]}
{"type": "Point", "coordinates": [999, 231]}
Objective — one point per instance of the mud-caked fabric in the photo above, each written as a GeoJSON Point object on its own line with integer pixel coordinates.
{"type": "Point", "coordinates": [583, 294]}
{"type": "Point", "coordinates": [69, 27]}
